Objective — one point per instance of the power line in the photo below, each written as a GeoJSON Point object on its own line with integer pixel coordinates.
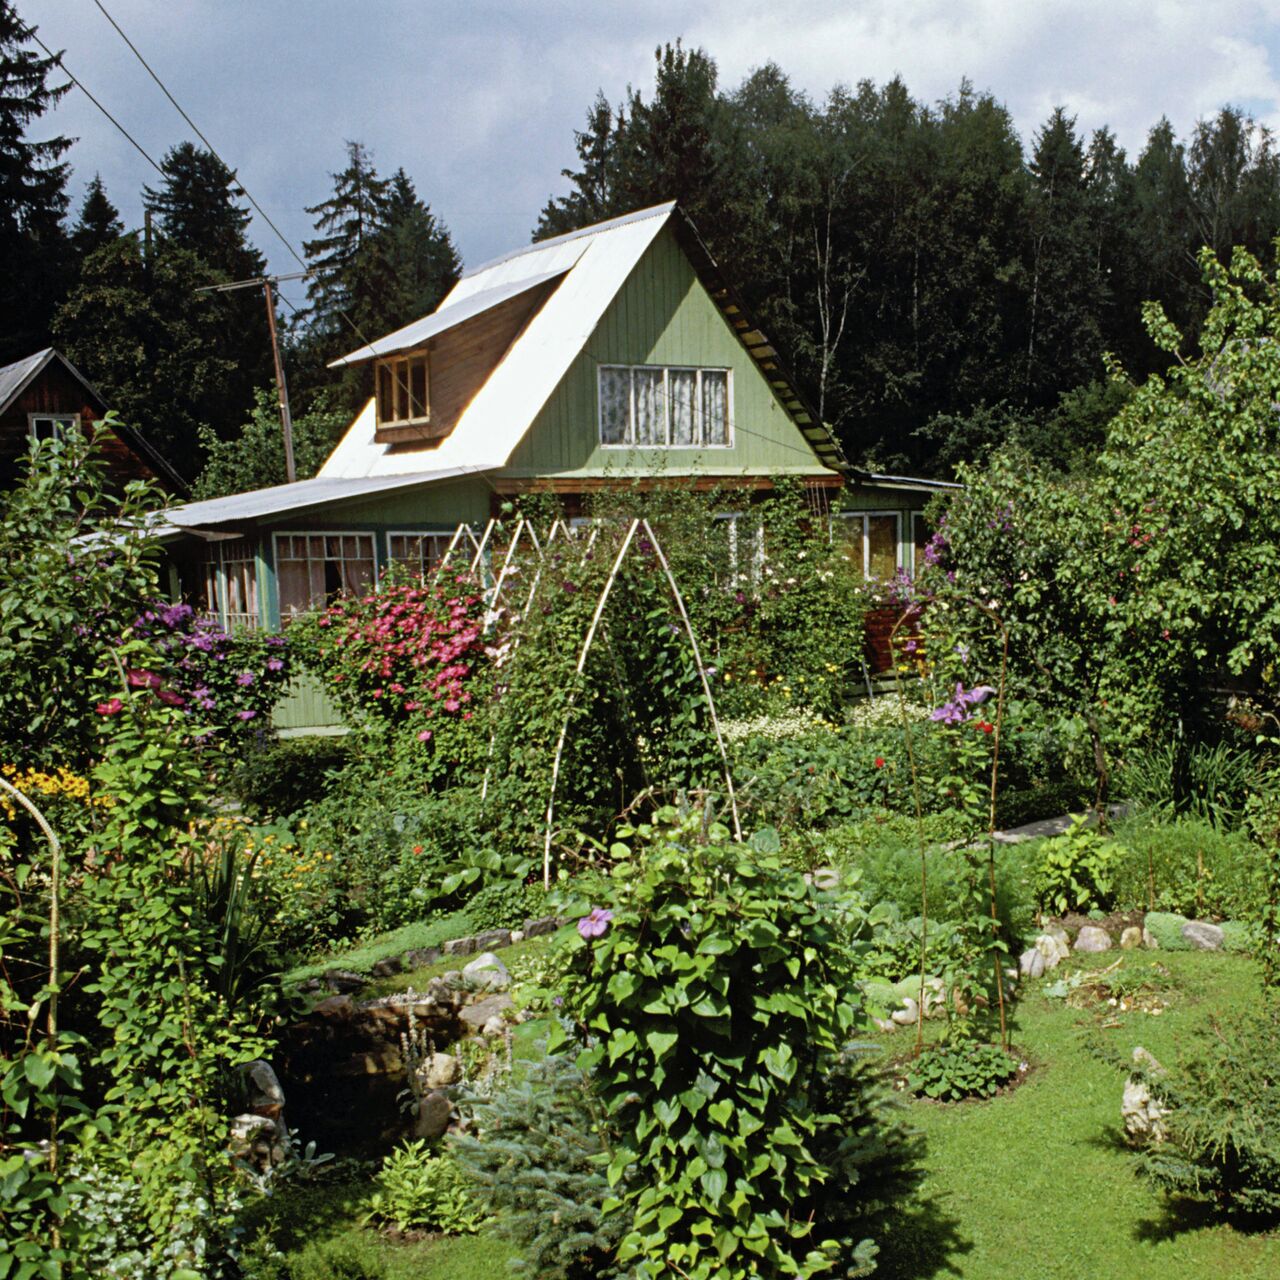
{"type": "Point", "coordinates": [212, 150]}
{"type": "Point", "coordinates": [57, 61]}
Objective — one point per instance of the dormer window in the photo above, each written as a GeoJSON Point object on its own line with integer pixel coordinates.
{"type": "Point", "coordinates": [403, 390]}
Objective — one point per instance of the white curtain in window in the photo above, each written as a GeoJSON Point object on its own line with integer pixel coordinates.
{"type": "Point", "coordinates": [715, 406]}
{"type": "Point", "coordinates": [684, 406]}
{"type": "Point", "coordinates": [651, 416]}
{"type": "Point", "coordinates": [615, 405]}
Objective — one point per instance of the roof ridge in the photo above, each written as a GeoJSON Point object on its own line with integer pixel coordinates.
{"type": "Point", "coordinates": [595, 228]}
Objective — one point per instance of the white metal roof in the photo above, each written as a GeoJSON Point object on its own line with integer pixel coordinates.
{"type": "Point", "coordinates": [595, 263]}
{"type": "Point", "coordinates": [302, 495]}
{"type": "Point", "coordinates": [446, 316]}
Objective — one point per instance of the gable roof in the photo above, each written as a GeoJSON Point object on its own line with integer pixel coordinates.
{"type": "Point", "coordinates": [592, 264]}
{"type": "Point", "coordinates": [17, 377]}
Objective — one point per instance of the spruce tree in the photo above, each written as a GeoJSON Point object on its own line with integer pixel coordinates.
{"type": "Point", "coordinates": [594, 194]}
{"type": "Point", "coordinates": [99, 221]}
{"type": "Point", "coordinates": [33, 195]}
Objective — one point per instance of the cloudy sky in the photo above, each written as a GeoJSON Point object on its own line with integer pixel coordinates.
{"type": "Point", "coordinates": [478, 100]}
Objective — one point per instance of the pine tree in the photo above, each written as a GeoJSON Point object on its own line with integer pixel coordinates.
{"type": "Point", "coordinates": [348, 223]}
{"type": "Point", "coordinates": [413, 261]}
{"type": "Point", "coordinates": [33, 195]}
{"type": "Point", "coordinates": [99, 222]}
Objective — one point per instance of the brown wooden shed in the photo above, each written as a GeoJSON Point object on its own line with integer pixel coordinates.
{"type": "Point", "coordinates": [43, 394]}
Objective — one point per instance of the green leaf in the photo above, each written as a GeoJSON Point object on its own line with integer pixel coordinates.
{"type": "Point", "coordinates": [661, 1042]}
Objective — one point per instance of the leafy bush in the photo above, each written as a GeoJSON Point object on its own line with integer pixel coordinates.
{"type": "Point", "coordinates": [1223, 1127]}
{"type": "Point", "coordinates": [1209, 782]}
{"type": "Point", "coordinates": [967, 1069]}
{"type": "Point", "coordinates": [711, 1004]}
{"type": "Point", "coordinates": [1074, 871]}
{"type": "Point", "coordinates": [1194, 867]}
{"type": "Point", "coordinates": [535, 1161]}
{"type": "Point", "coordinates": [505, 905]}
{"type": "Point", "coordinates": [283, 777]}
{"type": "Point", "coordinates": [420, 1190]}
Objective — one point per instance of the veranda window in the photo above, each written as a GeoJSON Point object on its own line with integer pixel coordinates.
{"type": "Point", "coordinates": [664, 407]}
{"type": "Point", "coordinates": [419, 553]}
{"type": "Point", "coordinates": [231, 583]}
{"type": "Point", "coordinates": [875, 537]}
{"type": "Point", "coordinates": [312, 568]}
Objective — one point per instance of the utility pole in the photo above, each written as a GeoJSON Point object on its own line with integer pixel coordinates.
{"type": "Point", "coordinates": [282, 387]}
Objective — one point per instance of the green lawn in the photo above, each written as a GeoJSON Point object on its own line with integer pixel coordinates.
{"type": "Point", "coordinates": [1038, 1185]}
{"type": "Point", "coordinates": [1035, 1185]}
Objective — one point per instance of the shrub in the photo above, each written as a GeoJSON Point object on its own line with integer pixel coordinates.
{"type": "Point", "coordinates": [1074, 871]}
{"type": "Point", "coordinates": [505, 905]}
{"type": "Point", "coordinates": [424, 1191]}
{"type": "Point", "coordinates": [536, 1166]}
{"type": "Point", "coordinates": [1194, 867]}
{"type": "Point", "coordinates": [951, 1072]}
{"type": "Point", "coordinates": [1223, 1129]}
{"type": "Point", "coordinates": [712, 1003]}
{"type": "Point", "coordinates": [286, 776]}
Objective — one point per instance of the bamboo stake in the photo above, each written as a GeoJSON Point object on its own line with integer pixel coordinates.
{"type": "Point", "coordinates": [573, 694]}
{"type": "Point", "coordinates": [702, 675]}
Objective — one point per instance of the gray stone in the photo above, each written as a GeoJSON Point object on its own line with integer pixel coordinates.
{"type": "Point", "coordinates": [493, 938]}
{"type": "Point", "coordinates": [1056, 931]}
{"type": "Point", "coordinates": [536, 928]}
{"type": "Point", "coordinates": [885, 1024]}
{"type": "Point", "coordinates": [517, 935]}
{"type": "Point", "coordinates": [1149, 939]}
{"type": "Point", "coordinates": [440, 1070]}
{"type": "Point", "coordinates": [908, 1015]}
{"type": "Point", "coordinates": [434, 1112]}
{"type": "Point", "coordinates": [1031, 963]}
{"type": "Point", "coordinates": [263, 1087]}
{"type": "Point", "coordinates": [1093, 938]}
{"type": "Point", "coordinates": [1142, 1113]}
{"type": "Point", "coordinates": [459, 946]}
{"type": "Point", "coordinates": [344, 980]}
{"type": "Point", "coordinates": [258, 1142]}
{"type": "Point", "coordinates": [420, 957]}
{"type": "Point", "coordinates": [495, 1027]}
{"type": "Point", "coordinates": [488, 973]}
{"type": "Point", "coordinates": [1203, 936]}
{"type": "Point", "coordinates": [476, 1015]}
{"type": "Point", "coordinates": [1053, 946]}
{"type": "Point", "coordinates": [335, 1008]}
{"type": "Point", "coordinates": [1131, 938]}
{"type": "Point", "coordinates": [387, 968]}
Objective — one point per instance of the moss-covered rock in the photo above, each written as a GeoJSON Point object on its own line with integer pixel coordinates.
{"type": "Point", "coordinates": [1166, 928]}
{"type": "Point", "coordinates": [1236, 936]}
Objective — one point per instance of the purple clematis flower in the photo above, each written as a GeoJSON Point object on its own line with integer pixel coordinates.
{"type": "Point", "coordinates": [957, 710]}
{"type": "Point", "coordinates": [596, 924]}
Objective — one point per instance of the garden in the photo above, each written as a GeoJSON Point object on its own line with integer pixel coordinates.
{"type": "Point", "coordinates": [633, 929]}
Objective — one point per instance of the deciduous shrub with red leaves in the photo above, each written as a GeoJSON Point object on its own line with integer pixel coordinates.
{"type": "Point", "coordinates": [408, 656]}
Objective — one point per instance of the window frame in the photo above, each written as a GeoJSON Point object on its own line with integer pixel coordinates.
{"type": "Point", "coordinates": [754, 573]}
{"type": "Point", "coordinates": [61, 422]}
{"type": "Point", "coordinates": [666, 370]}
{"type": "Point", "coordinates": [402, 384]}
{"type": "Point", "coordinates": [217, 583]}
{"type": "Point", "coordinates": [442, 537]}
{"type": "Point", "coordinates": [276, 558]}
{"type": "Point", "coordinates": [864, 516]}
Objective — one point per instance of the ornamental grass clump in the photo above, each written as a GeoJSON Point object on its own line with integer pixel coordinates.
{"type": "Point", "coordinates": [712, 1003]}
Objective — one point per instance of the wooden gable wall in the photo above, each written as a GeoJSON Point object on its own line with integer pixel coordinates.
{"type": "Point", "coordinates": [54, 390]}
{"type": "Point", "coordinates": [663, 316]}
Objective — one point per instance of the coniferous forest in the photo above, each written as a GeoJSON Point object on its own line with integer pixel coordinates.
{"type": "Point", "coordinates": [939, 284]}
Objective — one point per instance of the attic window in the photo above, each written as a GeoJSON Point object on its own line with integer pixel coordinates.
{"type": "Point", "coordinates": [403, 390]}
{"type": "Point", "coordinates": [648, 406]}
{"type": "Point", "coordinates": [50, 426]}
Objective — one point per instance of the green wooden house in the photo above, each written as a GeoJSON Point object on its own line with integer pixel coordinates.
{"type": "Point", "coordinates": [615, 354]}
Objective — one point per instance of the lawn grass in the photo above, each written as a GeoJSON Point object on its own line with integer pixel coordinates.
{"type": "Point", "coordinates": [1034, 1185]}
{"type": "Point", "coordinates": [1038, 1184]}
{"type": "Point", "coordinates": [511, 956]}
{"type": "Point", "coordinates": [362, 957]}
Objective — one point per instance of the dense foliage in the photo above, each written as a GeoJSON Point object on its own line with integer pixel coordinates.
{"type": "Point", "coordinates": [711, 1002]}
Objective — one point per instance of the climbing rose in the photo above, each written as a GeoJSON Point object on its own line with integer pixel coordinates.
{"type": "Point", "coordinates": [879, 762]}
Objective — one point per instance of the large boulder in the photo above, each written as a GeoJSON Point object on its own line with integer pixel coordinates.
{"type": "Point", "coordinates": [1131, 938]}
{"type": "Point", "coordinates": [476, 1015]}
{"type": "Point", "coordinates": [1054, 947]}
{"type": "Point", "coordinates": [434, 1113]}
{"type": "Point", "coordinates": [1093, 938]}
{"type": "Point", "coordinates": [487, 973]}
{"type": "Point", "coordinates": [1203, 936]}
{"type": "Point", "coordinates": [1031, 963]}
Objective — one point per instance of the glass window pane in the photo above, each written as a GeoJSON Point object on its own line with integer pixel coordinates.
{"type": "Point", "coordinates": [294, 586]}
{"type": "Point", "coordinates": [615, 398]}
{"type": "Point", "coordinates": [651, 416]}
{"type": "Point", "coordinates": [684, 395]}
{"type": "Point", "coordinates": [715, 406]}
{"type": "Point", "coordinates": [418, 387]}
{"type": "Point", "coordinates": [882, 546]}
{"type": "Point", "coordinates": [386, 406]}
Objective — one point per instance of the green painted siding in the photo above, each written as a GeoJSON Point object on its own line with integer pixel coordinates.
{"type": "Point", "coordinates": [662, 315]}
{"type": "Point", "coordinates": [306, 708]}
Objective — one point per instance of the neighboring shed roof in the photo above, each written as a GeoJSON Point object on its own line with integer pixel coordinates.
{"type": "Point", "coordinates": [302, 495]}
